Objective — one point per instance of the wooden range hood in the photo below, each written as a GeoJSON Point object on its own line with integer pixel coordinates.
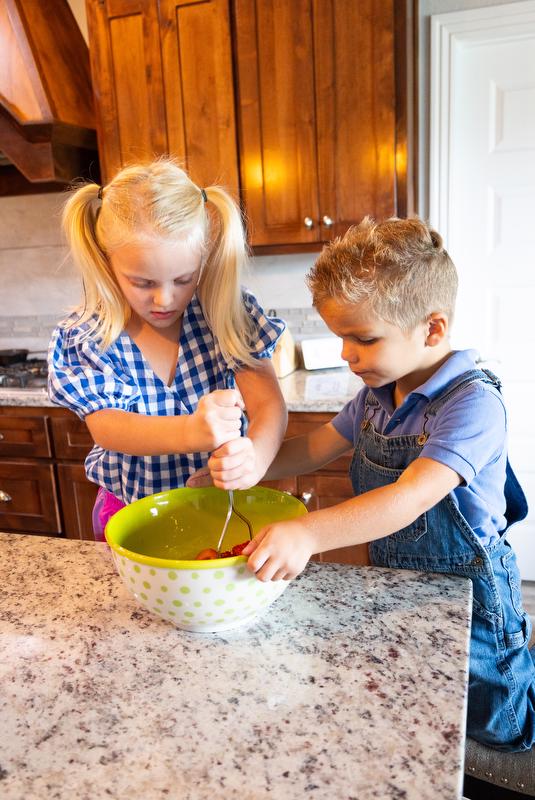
{"type": "Point", "coordinates": [47, 121]}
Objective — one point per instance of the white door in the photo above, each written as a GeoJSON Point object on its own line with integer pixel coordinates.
{"type": "Point", "coordinates": [483, 203]}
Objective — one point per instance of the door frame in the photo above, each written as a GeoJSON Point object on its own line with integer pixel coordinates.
{"type": "Point", "coordinates": [448, 32]}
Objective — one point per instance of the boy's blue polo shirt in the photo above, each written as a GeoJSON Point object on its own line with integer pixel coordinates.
{"type": "Point", "coordinates": [468, 434]}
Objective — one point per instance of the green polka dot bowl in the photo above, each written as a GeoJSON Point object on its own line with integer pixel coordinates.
{"type": "Point", "coordinates": [154, 543]}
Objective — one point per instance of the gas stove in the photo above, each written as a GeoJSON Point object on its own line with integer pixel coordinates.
{"type": "Point", "coordinates": [30, 374]}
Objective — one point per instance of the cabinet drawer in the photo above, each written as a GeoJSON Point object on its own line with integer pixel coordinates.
{"type": "Point", "coordinates": [28, 498]}
{"type": "Point", "coordinates": [78, 497]}
{"type": "Point", "coordinates": [322, 491]}
{"type": "Point", "coordinates": [24, 437]}
{"type": "Point", "coordinates": [72, 439]}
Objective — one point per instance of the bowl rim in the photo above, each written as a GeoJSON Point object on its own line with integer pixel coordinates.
{"type": "Point", "coordinates": [186, 564]}
{"type": "Point", "coordinates": [178, 564]}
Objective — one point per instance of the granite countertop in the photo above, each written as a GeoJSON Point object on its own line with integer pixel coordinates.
{"type": "Point", "coordinates": [351, 685]}
{"type": "Point", "coordinates": [303, 390]}
{"type": "Point", "coordinates": [319, 390]}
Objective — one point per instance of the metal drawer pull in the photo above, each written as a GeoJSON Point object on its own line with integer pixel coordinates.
{"type": "Point", "coordinates": [309, 222]}
{"type": "Point", "coordinates": [1, 436]}
{"type": "Point", "coordinates": [327, 221]}
{"type": "Point", "coordinates": [5, 497]}
{"type": "Point", "coordinates": [305, 497]}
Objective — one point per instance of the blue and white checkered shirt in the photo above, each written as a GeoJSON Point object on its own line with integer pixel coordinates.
{"type": "Point", "coordinates": [84, 379]}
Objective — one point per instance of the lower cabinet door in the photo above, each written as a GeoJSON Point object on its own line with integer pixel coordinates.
{"type": "Point", "coordinates": [78, 497]}
{"type": "Point", "coordinates": [28, 498]}
{"type": "Point", "coordinates": [321, 491]}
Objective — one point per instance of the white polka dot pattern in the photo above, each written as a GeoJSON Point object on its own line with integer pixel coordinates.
{"type": "Point", "coordinates": [203, 600]}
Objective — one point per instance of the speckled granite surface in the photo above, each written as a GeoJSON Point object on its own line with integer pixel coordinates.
{"type": "Point", "coordinates": [24, 397]}
{"type": "Point", "coordinates": [318, 390]}
{"type": "Point", "coordinates": [352, 685]}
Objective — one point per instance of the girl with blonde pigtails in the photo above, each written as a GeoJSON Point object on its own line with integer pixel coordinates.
{"type": "Point", "coordinates": [167, 350]}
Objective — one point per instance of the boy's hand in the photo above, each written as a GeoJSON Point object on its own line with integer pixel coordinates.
{"type": "Point", "coordinates": [216, 420]}
{"type": "Point", "coordinates": [280, 551]}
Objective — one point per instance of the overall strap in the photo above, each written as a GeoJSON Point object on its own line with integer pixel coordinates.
{"type": "Point", "coordinates": [371, 404]}
{"type": "Point", "coordinates": [457, 385]}
{"type": "Point", "coordinates": [461, 382]}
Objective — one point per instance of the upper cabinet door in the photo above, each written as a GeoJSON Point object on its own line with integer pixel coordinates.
{"type": "Point", "coordinates": [277, 120]}
{"type": "Point", "coordinates": [199, 89]}
{"type": "Point", "coordinates": [163, 83]}
{"type": "Point", "coordinates": [356, 111]}
{"type": "Point", "coordinates": [124, 47]}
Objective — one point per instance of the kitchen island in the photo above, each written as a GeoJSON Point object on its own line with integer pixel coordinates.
{"type": "Point", "coordinates": [351, 685]}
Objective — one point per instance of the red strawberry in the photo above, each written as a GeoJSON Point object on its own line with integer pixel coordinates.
{"type": "Point", "coordinates": [236, 550]}
{"type": "Point", "coordinates": [206, 555]}
{"type": "Point", "coordinates": [239, 548]}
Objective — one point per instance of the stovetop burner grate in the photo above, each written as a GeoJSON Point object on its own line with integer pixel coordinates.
{"type": "Point", "coordinates": [26, 374]}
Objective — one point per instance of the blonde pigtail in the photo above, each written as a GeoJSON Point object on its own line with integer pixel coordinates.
{"type": "Point", "coordinates": [219, 288]}
{"type": "Point", "coordinates": [102, 295]}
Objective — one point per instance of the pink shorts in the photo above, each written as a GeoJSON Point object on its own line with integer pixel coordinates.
{"type": "Point", "coordinates": [106, 505]}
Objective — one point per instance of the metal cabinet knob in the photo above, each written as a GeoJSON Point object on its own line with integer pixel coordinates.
{"type": "Point", "coordinates": [1, 436]}
{"type": "Point", "coordinates": [5, 497]}
{"type": "Point", "coordinates": [327, 221]}
{"type": "Point", "coordinates": [305, 497]}
{"type": "Point", "coordinates": [309, 222]}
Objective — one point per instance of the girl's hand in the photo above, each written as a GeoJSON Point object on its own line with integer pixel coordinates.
{"type": "Point", "coordinates": [280, 551]}
{"type": "Point", "coordinates": [216, 420]}
{"type": "Point", "coordinates": [233, 466]}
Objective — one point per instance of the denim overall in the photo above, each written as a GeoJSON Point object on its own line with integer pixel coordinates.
{"type": "Point", "coordinates": [501, 694]}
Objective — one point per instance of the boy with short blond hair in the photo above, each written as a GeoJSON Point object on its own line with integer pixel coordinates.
{"type": "Point", "coordinates": [433, 484]}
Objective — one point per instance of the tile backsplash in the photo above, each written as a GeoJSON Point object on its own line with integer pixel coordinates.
{"type": "Point", "coordinates": [34, 331]}
{"type": "Point", "coordinates": [31, 332]}
{"type": "Point", "coordinates": [38, 280]}
{"type": "Point", "coordinates": [304, 323]}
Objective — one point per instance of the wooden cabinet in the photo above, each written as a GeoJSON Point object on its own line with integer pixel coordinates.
{"type": "Point", "coordinates": [163, 83]}
{"type": "Point", "coordinates": [43, 488]}
{"type": "Point", "coordinates": [24, 437]}
{"type": "Point", "coordinates": [28, 497]}
{"type": "Point", "coordinates": [305, 105]}
{"type": "Point", "coordinates": [321, 115]}
{"type": "Point", "coordinates": [78, 497]}
{"type": "Point", "coordinates": [127, 81]}
{"type": "Point", "coordinates": [326, 487]}
{"type": "Point", "coordinates": [28, 494]}
{"type": "Point", "coordinates": [72, 443]}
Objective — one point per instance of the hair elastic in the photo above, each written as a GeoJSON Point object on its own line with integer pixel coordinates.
{"type": "Point", "coordinates": [203, 195]}
{"type": "Point", "coordinates": [99, 194]}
